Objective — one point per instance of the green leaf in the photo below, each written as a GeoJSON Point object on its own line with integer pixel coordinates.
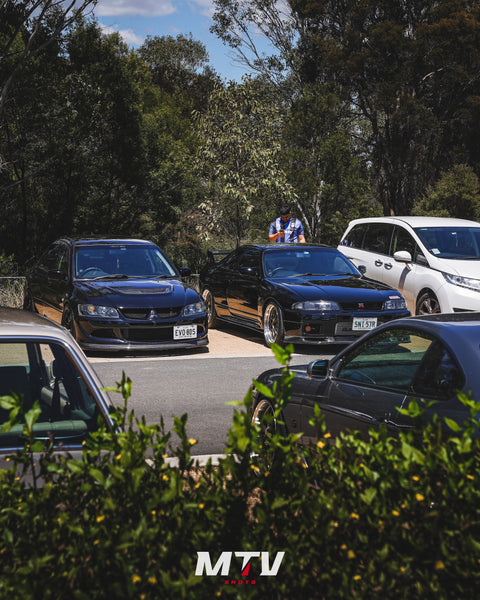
{"type": "Point", "coordinates": [263, 389]}
{"type": "Point", "coordinates": [454, 426]}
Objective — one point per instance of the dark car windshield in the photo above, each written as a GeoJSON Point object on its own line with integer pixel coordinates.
{"type": "Point", "coordinates": [286, 262]}
{"type": "Point", "coordinates": [451, 242]}
{"type": "Point", "coordinates": [120, 260]}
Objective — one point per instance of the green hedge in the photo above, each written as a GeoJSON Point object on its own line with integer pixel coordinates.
{"type": "Point", "coordinates": [382, 518]}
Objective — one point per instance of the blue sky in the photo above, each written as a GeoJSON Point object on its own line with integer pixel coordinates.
{"type": "Point", "coordinates": [136, 19]}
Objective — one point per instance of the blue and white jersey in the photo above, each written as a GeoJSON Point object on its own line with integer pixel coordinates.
{"type": "Point", "coordinates": [293, 228]}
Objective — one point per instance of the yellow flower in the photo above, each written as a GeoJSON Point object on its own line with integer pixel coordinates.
{"type": "Point", "coordinates": [470, 477]}
{"type": "Point", "coordinates": [118, 457]}
{"type": "Point", "coordinates": [267, 473]}
{"type": "Point", "coordinates": [165, 477]}
{"type": "Point", "coordinates": [327, 435]}
{"type": "Point", "coordinates": [136, 578]}
{"type": "Point", "coordinates": [403, 505]}
{"type": "Point", "coordinates": [192, 441]}
{"type": "Point", "coordinates": [439, 565]}
{"type": "Point", "coordinates": [354, 516]}
{"type": "Point", "coordinates": [96, 542]}
{"type": "Point", "coordinates": [416, 478]}
{"type": "Point", "coordinates": [419, 497]}
{"type": "Point", "coordinates": [350, 554]}
{"type": "Point", "coordinates": [343, 547]}
{"type": "Point", "coordinates": [402, 569]}
{"type": "Point", "coordinates": [100, 518]}
{"type": "Point", "coordinates": [201, 506]}
{"type": "Point", "coordinates": [357, 577]}
{"type": "Point", "coordinates": [321, 444]}
{"type": "Point", "coordinates": [197, 485]}
{"type": "Point", "coordinates": [395, 513]}
{"type": "Point", "coordinates": [154, 512]}
{"type": "Point", "coordinates": [254, 468]}
{"type": "Point", "coordinates": [152, 580]}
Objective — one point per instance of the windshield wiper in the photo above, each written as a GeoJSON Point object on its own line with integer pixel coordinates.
{"type": "Point", "coordinates": [115, 276]}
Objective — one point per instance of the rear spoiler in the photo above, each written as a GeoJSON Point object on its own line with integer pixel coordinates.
{"type": "Point", "coordinates": [215, 256]}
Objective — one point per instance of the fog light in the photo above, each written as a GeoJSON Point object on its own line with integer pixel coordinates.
{"type": "Point", "coordinates": [308, 329]}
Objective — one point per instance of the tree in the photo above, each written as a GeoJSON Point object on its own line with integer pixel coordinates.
{"type": "Point", "coordinates": [239, 158]}
{"type": "Point", "coordinates": [456, 194]}
{"type": "Point", "coordinates": [411, 69]}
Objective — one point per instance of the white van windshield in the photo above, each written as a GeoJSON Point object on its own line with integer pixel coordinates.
{"type": "Point", "coordinates": [461, 243]}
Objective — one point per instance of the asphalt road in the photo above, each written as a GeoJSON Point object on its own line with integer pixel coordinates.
{"type": "Point", "coordinates": [197, 383]}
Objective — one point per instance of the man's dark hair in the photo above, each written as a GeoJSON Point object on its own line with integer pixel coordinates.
{"type": "Point", "coordinates": [285, 209]}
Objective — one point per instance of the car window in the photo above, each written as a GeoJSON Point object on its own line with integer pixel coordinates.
{"type": "Point", "coordinates": [440, 376]}
{"type": "Point", "coordinates": [249, 257]}
{"type": "Point", "coordinates": [354, 238]}
{"type": "Point", "coordinates": [101, 260]}
{"type": "Point", "coordinates": [451, 242]}
{"type": "Point", "coordinates": [377, 237]}
{"type": "Point", "coordinates": [44, 372]}
{"type": "Point", "coordinates": [403, 241]}
{"type": "Point", "coordinates": [55, 258]}
{"type": "Point", "coordinates": [387, 360]}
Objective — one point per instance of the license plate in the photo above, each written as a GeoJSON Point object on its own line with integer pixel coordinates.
{"type": "Point", "coordinates": [364, 323]}
{"type": "Point", "coordinates": [184, 332]}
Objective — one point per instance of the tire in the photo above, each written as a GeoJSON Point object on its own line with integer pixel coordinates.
{"type": "Point", "coordinates": [210, 308]}
{"type": "Point", "coordinates": [427, 304]}
{"type": "Point", "coordinates": [262, 409]}
{"type": "Point", "coordinates": [273, 332]}
{"type": "Point", "coordinates": [68, 321]}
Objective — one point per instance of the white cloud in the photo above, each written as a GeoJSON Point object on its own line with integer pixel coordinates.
{"type": "Point", "coordinates": [128, 35]}
{"type": "Point", "coordinates": [206, 6]}
{"type": "Point", "coordinates": [143, 8]}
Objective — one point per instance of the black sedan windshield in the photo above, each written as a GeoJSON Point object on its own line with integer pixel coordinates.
{"type": "Point", "coordinates": [312, 261]}
{"type": "Point", "coordinates": [451, 242]}
{"type": "Point", "coordinates": [125, 260]}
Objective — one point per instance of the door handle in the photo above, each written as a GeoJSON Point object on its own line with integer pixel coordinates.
{"type": "Point", "coordinates": [388, 266]}
{"type": "Point", "coordinates": [378, 263]}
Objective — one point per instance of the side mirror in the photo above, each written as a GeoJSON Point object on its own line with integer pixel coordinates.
{"type": "Point", "coordinates": [248, 271]}
{"type": "Point", "coordinates": [403, 256]}
{"type": "Point", "coordinates": [318, 369]}
{"type": "Point", "coordinates": [362, 269]}
{"type": "Point", "coordinates": [185, 271]}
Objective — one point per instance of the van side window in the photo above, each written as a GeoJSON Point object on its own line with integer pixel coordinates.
{"type": "Point", "coordinates": [354, 239]}
{"type": "Point", "coordinates": [377, 237]}
{"type": "Point", "coordinates": [402, 240]}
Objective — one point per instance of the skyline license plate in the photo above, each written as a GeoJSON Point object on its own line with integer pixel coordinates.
{"type": "Point", "coordinates": [364, 323]}
{"type": "Point", "coordinates": [184, 332]}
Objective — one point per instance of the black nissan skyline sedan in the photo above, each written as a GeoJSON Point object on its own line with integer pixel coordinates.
{"type": "Point", "coordinates": [309, 294]}
{"type": "Point", "coordinates": [116, 294]}
{"type": "Point", "coordinates": [427, 358]}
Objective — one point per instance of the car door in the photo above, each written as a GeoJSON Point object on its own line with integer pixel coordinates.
{"type": "Point", "coordinates": [49, 281]}
{"type": "Point", "coordinates": [405, 277]}
{"type": "Point", "coordinates": [243, 286]}
{"type": "Point", "coordinates": [369, 382]}
{"type": "Point", "coordinates": [218, 283]}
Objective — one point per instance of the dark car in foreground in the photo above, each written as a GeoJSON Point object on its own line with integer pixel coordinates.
{"type": "Point", "coordinates": [115, 294]}
{"type": "Point", "coordinates": [39, 361]}
{"type": "Point", "coordinates": [296, 293]}
{"type": "Point", "coordinates": [427, 358]}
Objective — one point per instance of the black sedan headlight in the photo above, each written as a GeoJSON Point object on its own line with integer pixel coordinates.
{"type": "Point", "coordinates": [316, 305]}
{"type": "Point", "coordinates": [100, 312]}
{"type": "Point", "coordinates": [396, 303]}
{"type": "Point", "coordinates": [192, 310]}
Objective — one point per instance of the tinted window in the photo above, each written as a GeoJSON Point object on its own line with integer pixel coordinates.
{"type": "Point", "coordinates": [312, 261]}
{"type": "Point", "coordinates": [44, 373]}
{"type": "Point", "coordinates": [403, 241]}
{"type": "Point", "coordinates": [377, 237]}
{"type": "Point", "coordinates": [440, 375]}
{"type": "Point", "coordinates": [55, 258]}
{"type": "Point", "coordinates": [354, 239]}
{"type": "Point", "coordinates": [249, 257]}
{"type": "Point", "coordinates": [387, 360]}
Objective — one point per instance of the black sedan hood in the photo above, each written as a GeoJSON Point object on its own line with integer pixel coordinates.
{"type": "Point", "coordinates": [338, 288]}
{"type": "Point", "coordinates": [136, 292]}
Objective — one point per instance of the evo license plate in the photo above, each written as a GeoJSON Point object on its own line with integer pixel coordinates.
{"type": "Point", "coordinates": [364, 323]}
{"type": "Point", "coordinates": [184, 332]}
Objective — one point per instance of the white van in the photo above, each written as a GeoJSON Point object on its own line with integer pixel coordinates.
{"type": "Point", "coordinates": [434, 262]}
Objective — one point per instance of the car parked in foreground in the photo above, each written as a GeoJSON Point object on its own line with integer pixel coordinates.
{"type": "Point", "coordinates": [40, 361]}
{"type": "Point", "coordinates": [116, 294]}
{"type": "Point", "coordinates": [427, 358]}
{"type": "Point", "coordinates": [296, 293]}
{"type": "Point", "coordinates": [434, 262]}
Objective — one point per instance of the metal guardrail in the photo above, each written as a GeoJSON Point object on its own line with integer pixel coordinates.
{"type": "Point", "coordinates": [11, 291]}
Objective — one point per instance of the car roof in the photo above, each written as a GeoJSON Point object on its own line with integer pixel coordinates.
{"type": "Point", "coordinates": [280, 246]}
{"type": "Point", "coordinates": [419, 221]}
{"type": "Point", "coordinates": [22, 323]}
{"type": "Point", "coordinates": [84, 241]}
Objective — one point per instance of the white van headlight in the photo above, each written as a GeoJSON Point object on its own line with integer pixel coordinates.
{"type": "Point", "coordinates": [466, 282]}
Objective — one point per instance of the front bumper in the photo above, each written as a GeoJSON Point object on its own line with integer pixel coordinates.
{"type": "Point", "coordinates": [148, 334]}
{"type": "Point", "coordinates": [333, 328]}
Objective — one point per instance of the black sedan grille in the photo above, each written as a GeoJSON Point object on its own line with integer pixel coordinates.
{"type": "Point", "coordinates": [143, 313]}
{"type": "Point", "coordinates": [154, 334]}
{"type": "Point", "coordinates": [354, 306]}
